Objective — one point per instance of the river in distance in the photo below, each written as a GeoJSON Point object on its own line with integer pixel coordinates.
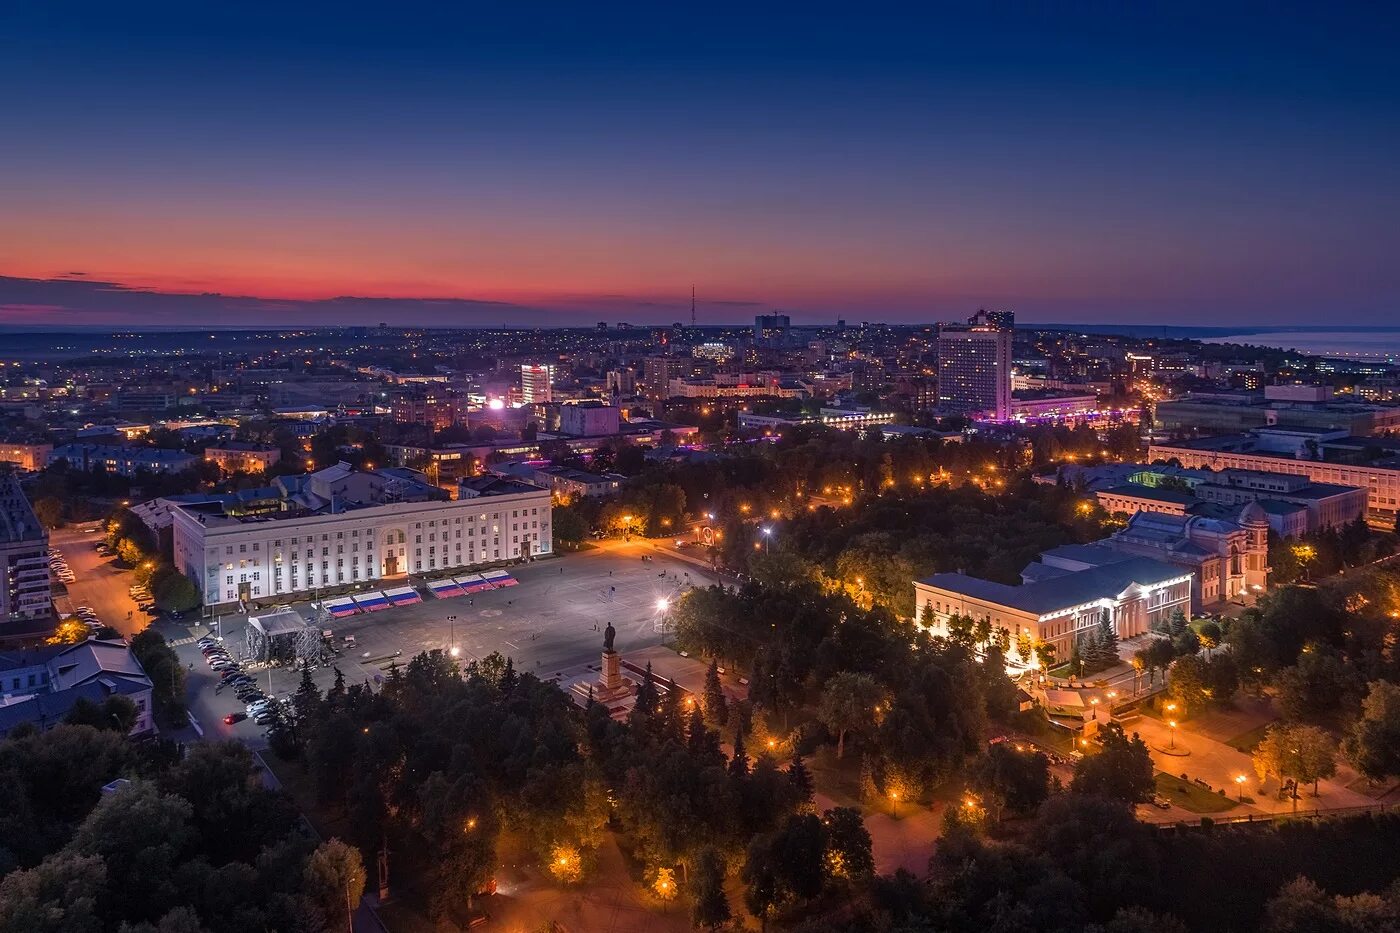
{"type": "Point", "coordinates": [1379, 345]}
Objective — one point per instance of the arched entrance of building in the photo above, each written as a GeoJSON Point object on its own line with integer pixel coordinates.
{"type": "Point", "coordinates": [393, 553]}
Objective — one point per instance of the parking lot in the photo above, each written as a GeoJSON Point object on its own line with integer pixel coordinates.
{"type": "Point", "coordinates": [97, 582]}
{"type": "Point", "coordinates": [551, 622]}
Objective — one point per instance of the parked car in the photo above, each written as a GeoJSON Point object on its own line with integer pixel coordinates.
{"type": "Point", "coordinates": [232, 718]}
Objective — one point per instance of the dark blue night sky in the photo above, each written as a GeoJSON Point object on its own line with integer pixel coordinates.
{"type": "Point", "coordinates": [1170, 163]}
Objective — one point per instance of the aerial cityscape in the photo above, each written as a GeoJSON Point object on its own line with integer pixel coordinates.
{"type": "Point", "coordinates": [602, 470]}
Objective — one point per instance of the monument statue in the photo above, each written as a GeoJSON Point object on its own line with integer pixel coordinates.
{"type": "Point", "coordinates": [610, 684]}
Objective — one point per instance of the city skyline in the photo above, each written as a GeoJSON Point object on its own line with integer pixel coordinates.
{"type": "Point", "coordinates": [464, 169]}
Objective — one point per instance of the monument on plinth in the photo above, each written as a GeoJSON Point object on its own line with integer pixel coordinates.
{"type": "Point", "coordinates": [610, 683]}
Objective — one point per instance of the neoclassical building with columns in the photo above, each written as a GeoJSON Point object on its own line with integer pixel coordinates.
{"type": "Point", "coordinates": [342, 526]}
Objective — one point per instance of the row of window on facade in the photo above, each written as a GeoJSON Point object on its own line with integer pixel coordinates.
{"type": "Point", "coordinates": [432, 535]}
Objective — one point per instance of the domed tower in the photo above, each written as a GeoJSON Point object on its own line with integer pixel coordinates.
{"type": "Point", "coordinates": [1255, 522]}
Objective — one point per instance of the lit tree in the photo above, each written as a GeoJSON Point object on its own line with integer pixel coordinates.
{"type": "Point", "coordinates": [565, 864]}
{"type": "Point", "coordinates": [1373, 742]}
{"type": "Point", "coordinates": [849, 703]}
{"type": "Point", "coordinates": [1210, 636]}
{"type": "Point", "coordinates": [1304, 753]}
{"type": "Point", "coordinates": [664, 884]}
{"type": "Point", "coordinates": [1123, 770]}
{"type": "Point", "coordinates": [1187, 683]}
{"type": "Point", "coordinates": [1024, 647]}
{"type": "Point", "coordinates": [848, 847]}
{"type": "Point", "coordinates": [334, 881]}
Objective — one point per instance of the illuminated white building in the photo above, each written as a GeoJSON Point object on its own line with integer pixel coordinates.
{"type": "Point", "coordinates": [974, 365]}
{"type": "Point", "coordinates": [342, 526]}
{"type": "Point", "coordinates": [536, 383]}
{"type": "Point", "coordinates": [1138, 593]}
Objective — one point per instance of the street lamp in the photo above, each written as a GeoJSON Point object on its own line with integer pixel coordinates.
{"type": "Point", "coordinates": [767, 537]}
{"type": "Point", "coordinates": [894, 803]}
{"type": "Point", "coordinates": [1172, 723]}
{"type": "Point", "coordinates": [1239, 780]}
{"type": "Point", "coordinates": [663, 604]}
{"type": "Point", "coordinates": [452, 635]}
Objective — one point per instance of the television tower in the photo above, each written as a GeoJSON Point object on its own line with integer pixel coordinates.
{"type": "Point", "coordinates": [692, 305]}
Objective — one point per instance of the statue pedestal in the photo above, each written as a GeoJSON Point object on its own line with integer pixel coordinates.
{"type": "Point", "coordinates": [610, 683]}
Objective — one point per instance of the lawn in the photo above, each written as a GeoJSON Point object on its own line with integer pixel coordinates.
{"type": "Point", "coordinates": [1191, 796]}
{"type": "Point", "coordinates": [1247, 742]}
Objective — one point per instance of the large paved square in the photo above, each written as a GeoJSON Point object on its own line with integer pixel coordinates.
{"type": "Point", "coordinates": [551, 622]}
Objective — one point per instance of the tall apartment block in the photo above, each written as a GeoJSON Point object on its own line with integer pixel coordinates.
{"type": "Point", "coordinates": [24, 563]}
{"type": "Point", "coordinates": [536, 383]}
{"type": "Point", "coordinates": [974, 364]}
{"type": "Point", "coordinates": [657, 373]}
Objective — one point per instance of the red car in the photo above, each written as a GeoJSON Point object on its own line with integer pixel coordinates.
{"type": "Point", "coordinates": [232, 718]}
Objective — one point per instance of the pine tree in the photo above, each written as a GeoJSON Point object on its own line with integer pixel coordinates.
{"type": "Point", "coordinates": [670, 724]}
{"type": "Point", "coordinates": [711, 910]}
{"type": "Point", "coordinates": [644, 710]}
{"type": "Point", "coordinates": [1177, 624]}
{"type": "Point", "coordinates": [1076, 654]}
{"type": "Point", "coordinates": [335, 697]}
{"type": "Point", "coordinates": [801, 780]}
{"type": "Point", "coordinates": [508, 676]}
{"type": "Point", "coordinates": [1108, 642]}
{"type": "Point", "coordinates": [739, 764]}
{"type": "Point", "coordinates": [307, 700]}
{"type": "Point", "coordinates": [1091, 652]}
{"type": "Point", "coordinates": [716, 706]}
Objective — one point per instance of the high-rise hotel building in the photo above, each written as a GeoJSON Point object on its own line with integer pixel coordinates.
{"type": "Point", "coordinates": [974, 365]}
{"type": "Point", "coordinates": [536, 383]}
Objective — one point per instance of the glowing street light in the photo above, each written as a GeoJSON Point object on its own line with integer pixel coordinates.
{"type": "Point", "coordinates": [663, 604]}
{"type": "Point", "coordinates": [1172, 723]}
{"type": "Point", "coordinates": [1239, 781]}
{"type": "Point", "coordinates": [767, 537]}
{"type": "Point", "coordinates": [894, 803]}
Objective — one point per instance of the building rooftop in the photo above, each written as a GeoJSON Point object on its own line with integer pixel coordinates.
{"type": "Point", "coordinates": [490, 485]}
{"type": "Point", "coordinates": [49, 709]}
{"type": "Point", "coordinates": [96, 659]}
{"type": "Point", "coordinates": [243, 447]}
{"type": "Point", "coordinates": [17, 521]}
{"type": "Point", "coordinates": [1155, 493]}
{"type": "Point", "coordinates": [1065, 590]}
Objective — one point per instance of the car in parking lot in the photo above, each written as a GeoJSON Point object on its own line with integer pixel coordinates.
{"type": "Point", "coordinates": [232, 718]}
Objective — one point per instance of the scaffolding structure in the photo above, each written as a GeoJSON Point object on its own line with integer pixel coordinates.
{"type": "Point", "coordinates": [283, 637]}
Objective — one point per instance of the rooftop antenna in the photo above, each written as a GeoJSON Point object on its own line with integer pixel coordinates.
{"type": "Point", "coordinates": [692, 305]}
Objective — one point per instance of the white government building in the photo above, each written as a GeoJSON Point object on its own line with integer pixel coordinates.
{"type": "Point", "coordinates": [342, 526]}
